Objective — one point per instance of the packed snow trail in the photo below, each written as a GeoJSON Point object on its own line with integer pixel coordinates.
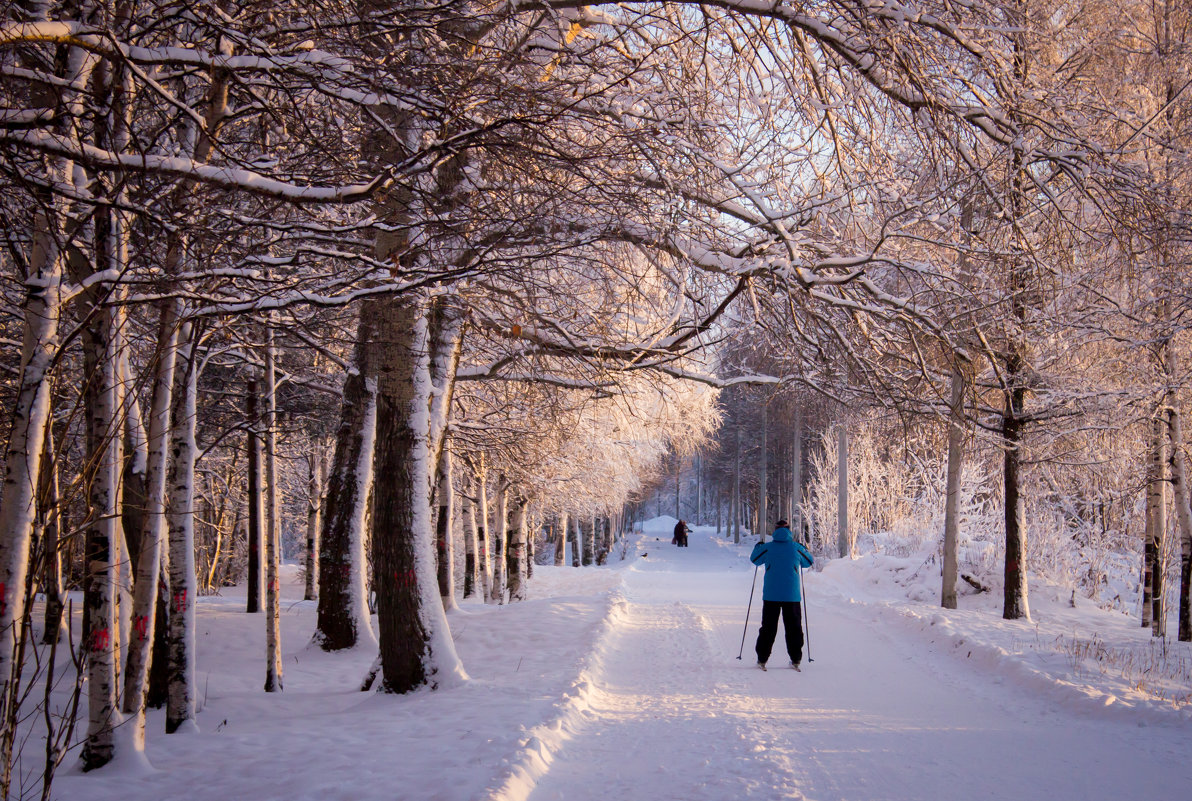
{"type": "Point", "coordinates": [673, 714]}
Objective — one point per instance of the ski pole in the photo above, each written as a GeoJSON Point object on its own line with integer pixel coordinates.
{"type": "Point", "coordinates": [806, 623]}
{"type": "Point", "coordinates": [747, 608]}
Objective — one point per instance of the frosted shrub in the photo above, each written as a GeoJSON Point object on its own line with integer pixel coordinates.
{"type": "Point", "coordinates": [882, 491]}
{"type": "Point", "coordinates": [896, 506]}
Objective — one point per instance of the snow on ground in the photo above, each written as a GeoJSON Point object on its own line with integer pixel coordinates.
{"type": "Point", "coordinates": [622, 682]}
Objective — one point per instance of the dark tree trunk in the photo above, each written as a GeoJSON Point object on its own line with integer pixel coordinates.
{"type": "Point", "coordinates": [50, 526]}
{"type": "Point", "coordinates": [1185, 634]}
{"type": "Point", "coordinates": [254, 494]}
{"type": "Point", "coordinates": [415, 641]}
{"type": "Point", "coordinates": [470, 537]}
{"type": "Point", "coordinates": [1159, 501]}
{"type": "Point", "coordinates": [589, 557]}
{"type": "Point", "coordinates": [1015, 605]}
{"type": "Point", "coordinates": [159, 666]}
{"type": "Point", "coordinates": [445, 497]}
{"type": "Point", "coordinates": [339, 614]}
{"type": "Point", "coordinates": [576, 536]}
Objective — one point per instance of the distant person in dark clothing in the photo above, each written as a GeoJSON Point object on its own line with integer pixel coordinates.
{"type": "Point", "coordinates": [782, 593]}
{"type": "Point", "coordinates": [681, 532]}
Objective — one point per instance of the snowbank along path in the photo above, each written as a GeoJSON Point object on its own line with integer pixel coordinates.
{"type": "Point", "coordinates": [667, 711]}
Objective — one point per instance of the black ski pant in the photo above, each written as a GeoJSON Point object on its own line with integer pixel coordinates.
{"type": "Point", "coordinates": [792, 623]}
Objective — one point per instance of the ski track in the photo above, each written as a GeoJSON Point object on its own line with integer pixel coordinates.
{"type": "Point", "coordinates": [878, 716]}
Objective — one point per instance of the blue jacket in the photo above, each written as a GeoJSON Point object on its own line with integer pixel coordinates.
{"type": "Point", "coordinates": [782, 557]}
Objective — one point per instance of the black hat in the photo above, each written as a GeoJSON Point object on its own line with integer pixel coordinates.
{"type": "Point", "coordinates": [782, 524]}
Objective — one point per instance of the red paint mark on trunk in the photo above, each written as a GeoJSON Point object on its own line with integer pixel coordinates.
{"type": "Point", "coordinates": [100, 640]}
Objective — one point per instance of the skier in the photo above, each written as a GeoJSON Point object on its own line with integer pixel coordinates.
{"type": "Point", "coordinates": [681, 532]}
{"type": "Point", "coordinates": [781, 593]}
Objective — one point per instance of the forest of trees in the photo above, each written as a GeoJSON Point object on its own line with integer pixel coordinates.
{"type": "Point", "coordinates": [401, 288]}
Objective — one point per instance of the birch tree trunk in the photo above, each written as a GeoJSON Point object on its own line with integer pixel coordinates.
{"type": "Point", "coordinates": [517, 558]}
{"type": "Point", "coordinates": [484, 552]}
{"type": "Point", "coordinates": [678, 515]}
{"type": "Point", "coordinates": [590, 544]}
{"type": "Point", "coordinates": [531, 526]}
{"type": "Point", "coordinates": [273, 660]}
{"type": "Point", "coordinates": [471, 537]}
{"type": "Point", "coordinates": [735, 504]}
{"type": "Point", "coordinates": [50, 525]}
{"type": "Point", "coordinates": [844, 539]}
{"type": "Point", "coordinates": [343, 615]}
{"type": "Point", "coordinates": [1016, 594]}
{"type": "Point", "coordinates": [764, 476]}
{"type": "Point", "coordinates": [103, 537]}
{"type": "Point", "coordinates": [797, 479]}
{"type": "Point", "coordinates": [1015, 604]}
{"type": "Point", "coordinates": [1153, 616]}
{"type": "Point", "coordinates": [181, 700]}
{"type": "Point", "coordinates": [1148, 537]}
{"type": "Point", "coordinates": [255, 494]}
{"type": "Point", "coordinates": [561, 540]}
{"type": "Point", "coordinates": [134, 487]}
{"type": "Point", "coordinates": [444, 545]}
{"type": "Point", "coordinates": [952, 491]}
{"type": "Point", "coordinates": [316, 475]}
{"type": "Point", "coordinates": [415, 640]}
{"type": "Point", "coordinates": [1183, 506]}
{"type": "Point", "coordinates": [1159, 596]}
{"type": "Point", "coordinates": [140, 653]}
{"type": "Point", "coordinates": [22, 458]}
{"type": "Point", "coordinates": [576, 540]}
{"type": "Point", "coordinates": [497, 546]}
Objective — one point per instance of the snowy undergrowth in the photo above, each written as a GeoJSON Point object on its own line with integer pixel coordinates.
{"type": "Point", "coordinates": [896, 508]}
{"type": "Point", "coordinates": [1092, 660]}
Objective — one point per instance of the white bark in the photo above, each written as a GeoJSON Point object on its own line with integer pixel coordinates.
{"type": "Point", "coordinates": [22, 462]}
{"type": "Point", "coordinates": [561, 539]}
{"type": "Point", "coordinates": [576, 537]}
{"type": "Point", "coordinates": [444, 530]}
{"type": "Point", "coordinates": [361, 522]}
{"type": "Point", "coordinates": [842, 532]}
{"type": "Point", "coordinates": [517, 570]}
{"type": "Point", "coordinates": [952, 497]}
{"type": "Point", "coordinates": [471, 555]}
{"type": "Point", "coordinates": [103, 551]}
{"type": "Point", "coordinates": [497, 543]}
{"type": "Point", "coordinates": [763, 477]}
{"type": "Point", "coordinates": [273, 660]}
{"type": "Point", "coordinates": [316, 476]}
{"type": "Point", "coordinates": [140, 647]}
{"type": "Point", "coordinates": [797, 479]}
{"type": "Point", "coordinates": [182, 700]}
{"type": "Point", "coordinates": [482, 519]}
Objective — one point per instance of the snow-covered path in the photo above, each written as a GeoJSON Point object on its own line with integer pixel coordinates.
{"type": "Point", "coordinates": [673, 714]}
